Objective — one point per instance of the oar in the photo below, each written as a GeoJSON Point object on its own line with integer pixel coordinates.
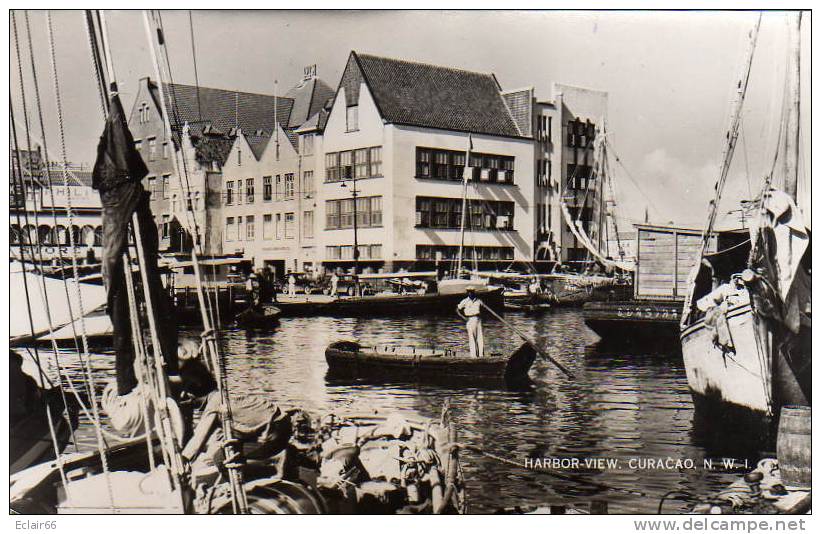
{"type": "Point", "coordinates": [530, 342]}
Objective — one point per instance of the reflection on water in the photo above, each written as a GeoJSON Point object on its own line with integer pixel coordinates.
{"type": "Point", "coordinates": [618, 406]}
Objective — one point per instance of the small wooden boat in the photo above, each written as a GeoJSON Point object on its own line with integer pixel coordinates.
{"type": "Point", "coordinates": [411, 363]}
{"type": "Point", "coordinates": [263, 316]}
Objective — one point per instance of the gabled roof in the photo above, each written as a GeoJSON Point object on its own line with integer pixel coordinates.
{"type": "Point", "coordinates": [224, 109]}
{"type": "Point", "coordinates": [520, 105]}
{"type": "Point", "coordinates": [309, 97]}
{"type": "Point", "coordinates": [316, 122]}
{"type": "Point", "coordinates": [431, 96]}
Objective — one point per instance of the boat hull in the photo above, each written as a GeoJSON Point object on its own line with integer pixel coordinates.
{"type": "Point", "coordinates": [414, 365]}
{"type": "Point", "coordinates": [635, 324]}
{"type": "Point", "coordinates": [741, 380]}
{"type": "Point", "coordinates": [388, 305]}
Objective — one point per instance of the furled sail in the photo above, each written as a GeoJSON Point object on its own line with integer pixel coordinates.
{"type": "Point", "coordinates": [584, 239]}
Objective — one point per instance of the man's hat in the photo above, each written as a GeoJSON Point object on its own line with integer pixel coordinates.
{"type": "Point", "coordinates": [471, 289]}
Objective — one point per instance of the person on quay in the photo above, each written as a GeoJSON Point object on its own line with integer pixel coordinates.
{"type": "Point", "coordinates": [334, 284]}
{"type": "Point", "coordinates": [291, 285]}
{"type": "Point", "coordinates": [470, 309]}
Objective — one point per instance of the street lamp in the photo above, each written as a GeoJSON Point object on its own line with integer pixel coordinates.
{"type": "Point", "coordinates": [354, 192]}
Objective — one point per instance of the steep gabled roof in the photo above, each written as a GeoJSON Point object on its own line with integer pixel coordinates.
{"type": "Point", "coordinates": [224, 109]}
{"type": "Point", "coordinates": [430, 96]}
{"type": "Point", "coordinates": [309, 97]}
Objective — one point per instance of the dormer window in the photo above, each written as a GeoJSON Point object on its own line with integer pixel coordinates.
{"type": "Point", "coordinates": [352, 119]}
{"type": "Point", "coordinates": [144, 114]}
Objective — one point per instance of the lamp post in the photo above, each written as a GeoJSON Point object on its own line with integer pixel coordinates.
{"type": "Point", "coordinates": [354, 192]}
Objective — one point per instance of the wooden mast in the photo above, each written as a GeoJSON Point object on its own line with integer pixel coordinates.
{"type": "Point", "coordinates": [793, 112]}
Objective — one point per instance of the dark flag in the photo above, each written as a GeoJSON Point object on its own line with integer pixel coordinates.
{"type": "Point", "coordinates": [117, 175]}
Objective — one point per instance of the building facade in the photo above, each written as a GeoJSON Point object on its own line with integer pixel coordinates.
{"type": "Point", "coordinates": [279, 179]}
{"type": "Point", "coordinates": [54, 213]}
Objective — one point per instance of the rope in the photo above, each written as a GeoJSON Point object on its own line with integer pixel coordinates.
{"type": "Point", "coordinates": [90, 383]}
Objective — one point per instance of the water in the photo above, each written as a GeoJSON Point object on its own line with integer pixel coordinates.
{"type": "Point", "coordinates": [623, 406]}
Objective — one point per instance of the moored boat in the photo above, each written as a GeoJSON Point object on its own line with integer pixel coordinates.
{"type": "Point", "coordinates": [384, 304]}
{"type": "Point", "coordinates": [411, 363]}
{"type": "Point", "coordinates": [258, 317]}
{"type": "Point", "coordinates": [746, 329]}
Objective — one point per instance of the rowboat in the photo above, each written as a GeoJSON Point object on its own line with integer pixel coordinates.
{"type": "Point", "coordinates": [264, 316]}
{"type": "Point", "coordinates": [411, 363]}
{"type": "Point", "coordinates": [332, 464]}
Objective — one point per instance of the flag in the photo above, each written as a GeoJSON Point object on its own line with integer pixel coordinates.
{"type": "Point", "coordinates": [118, 161]}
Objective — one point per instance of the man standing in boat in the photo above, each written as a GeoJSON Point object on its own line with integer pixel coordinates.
{"type": "Point", "coordinates": [470, 309]}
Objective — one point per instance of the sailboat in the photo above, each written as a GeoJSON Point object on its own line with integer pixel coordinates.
{"type": "Point", "coordinates": [745, 327]}
{"type": "Point", "coordinates": [327, 464]}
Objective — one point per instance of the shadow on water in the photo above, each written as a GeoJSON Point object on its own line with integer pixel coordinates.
{"type": "Point", "coordinates": [620, 405]}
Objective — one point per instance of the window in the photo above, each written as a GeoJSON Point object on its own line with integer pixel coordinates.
{"type": "Point", "coordinates": [174, 203]}
{"type": "Point", "coordinates": [434, 212]}
{"type": "Point", "coordinates": [375, 161]}
{"type": "Point", "coordinates": [352, 118]}
{"type": "Point", "coordinates": [152, 148]}
{"type": "Point", "coordinates": [360, 163]}
{"type": "Point", "coordinates": [308, 144]}
{"type": "Point", "coordinates": [266, 189]}
{"type": "Point", "coordinates": [196, 200]}
{"type": "Point", "coordinates": [345, 252]}
{"type": "Point", "coordinates": [144, 113]}
{"type": "Point", "coordinates": [278, 190]}
{"type": "Point", "coordinates": [249, 228]}
{"type": "Point", "coordinates": [267, 226]}
{"type": "Point", "coordinates": [249, 191]}
{"type": "Point", "coordinates": [165, 150]}
{"type": "Point", "coordinates": [289, 186]}
{"type": "Point", "coordinates": [308, 224]}
{"type": "Point", "coordinates": [339, 213]}
{"type": "Point", "coordinates": [376, 211]}
{"type": "Point", "coordinates": [332, 214]}
{"type": "Point", "coordinates": [308, 184]}
{"type": "Point", "coordinates": [289, 226]}
{"type": "Point", "coordinates": [138, 145]}
{"type": "Point", "coordinates": [240, 229]}
{"type": "Point", "coordinates": [450, 252]}
{"type": "Point", "coordinates": [166, 227]}
{"type": "Point", "coordinates": [450, 165]}
{"type": "Point", "coordinates": [230, 229]}
{"type": "Point", "coordinates": [189, 202]}
{"type": "Point", "coordinates": [152, 186]}
{"type": "Point", "coordinates": [346, 213]}
{"type": "Point", "coordinates": [166, 186]}
{"type": "Point", "coordinates": [229, 193]}
{"type": "Point", "coordinates": [346, 165]}
{"type": "Point", "coordinates": [332, 167]}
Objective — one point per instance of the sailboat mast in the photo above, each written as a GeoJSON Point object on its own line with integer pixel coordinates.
{"type": "Point", "coordinates": [794, 111]}
{"type": "Point", "coordinates": [465, 176]}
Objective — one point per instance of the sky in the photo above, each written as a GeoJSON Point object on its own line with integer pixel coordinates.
{"type": "Point", "coordinates": [670, 77]}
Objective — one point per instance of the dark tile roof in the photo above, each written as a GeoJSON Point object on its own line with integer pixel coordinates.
{"type": "Point", "coordinates": [224, 109]}
{"type": "Point", "coordinates": [309, 97]}
{"type": "Point", "coordinates": [213, 114]}
{"type": "Point", "coordinates": [520, 104]}
{"type": "Point", "coordinates": [258, 144]}
{"type": "Point", "coordinates": [431, 96]}
{"type": "Point", "coordinates": [317, 122]}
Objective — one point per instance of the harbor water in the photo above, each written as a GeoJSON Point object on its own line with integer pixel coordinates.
{"type": "Point", "coordinates": [633, 409]}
